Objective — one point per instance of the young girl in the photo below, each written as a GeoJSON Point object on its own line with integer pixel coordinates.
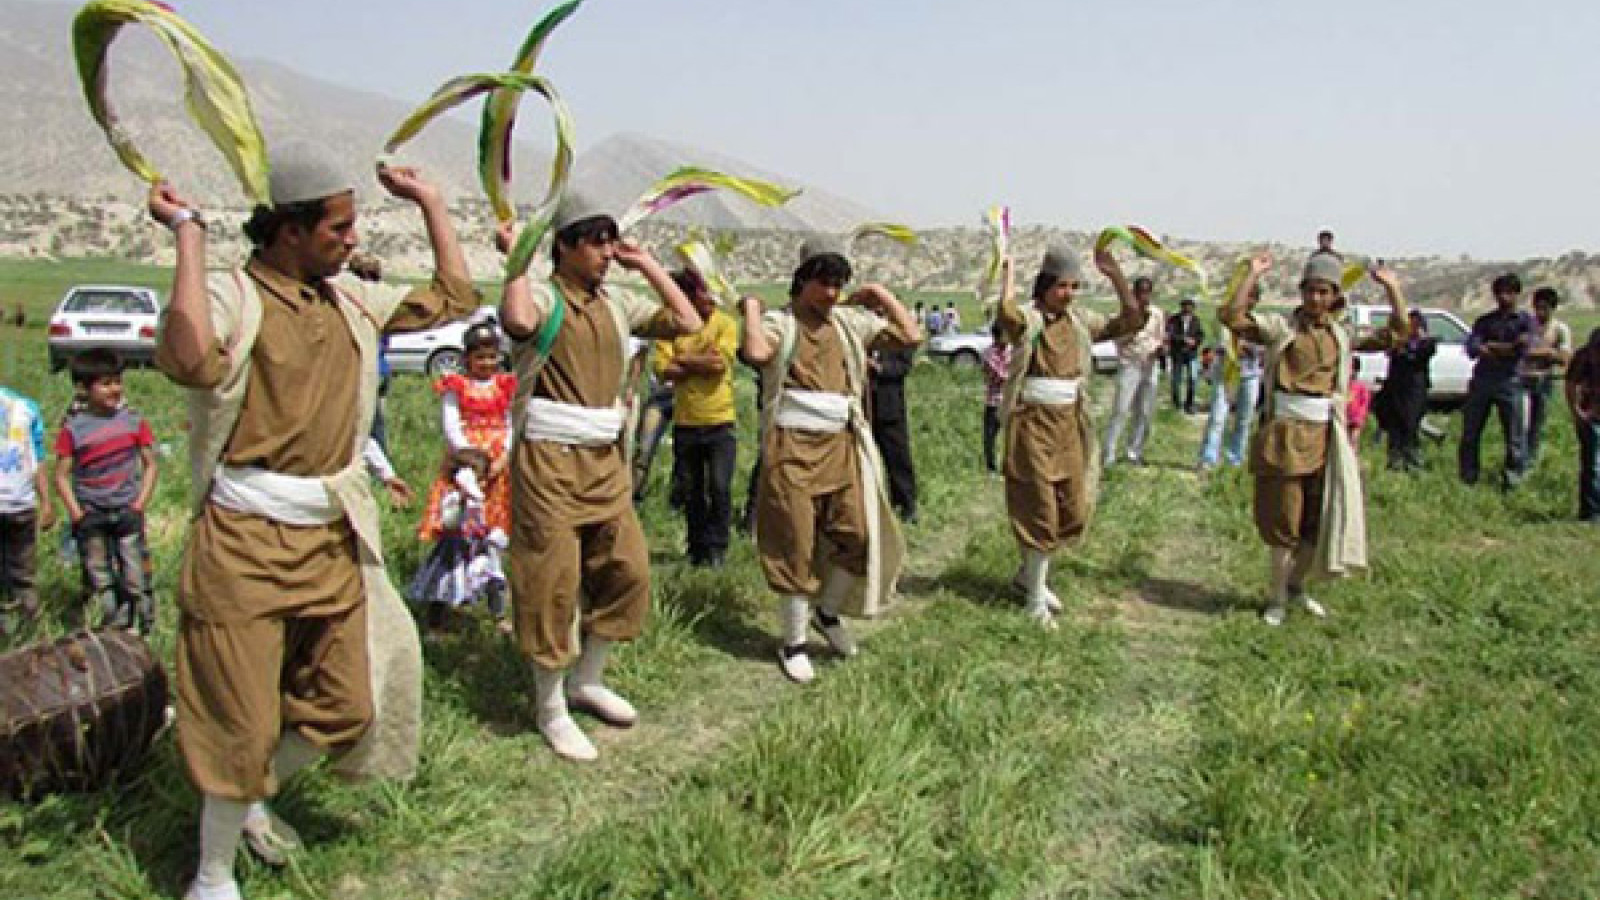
{"type": "Point", "coordinates": [465, 563]}
{"type": "Point", "coordinates": [475, 412]}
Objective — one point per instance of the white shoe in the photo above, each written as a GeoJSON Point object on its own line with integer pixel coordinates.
{"type": "Point", "coordinates": [269, 837]}
{"type": "Point", "coordinates": [834, 632]}
{"type": "Point", "coordinates": [796, 664]}
{"type": "Point", "coordinates": [603, 703]}
{"type": "Point", "coordinates": [568, 740]}
{"type": "Point", "coordinates": [228, 891]}
{"type": "Point", "coordinates": [1273, 614]}
{"type": "Point", "coordinates": [1313, 607]}
{"type": "Point", "coordinates": [1051, 601]}
{"type": "Point", "coordinates": [1041, 614]}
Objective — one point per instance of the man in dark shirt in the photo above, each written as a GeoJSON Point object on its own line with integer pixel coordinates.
{"type": "Point", "coordinates": [1185, 336]}
{"type": "Point", "coordinates": [1499, 341]}
{"type": "Point", "coordinates": [1583, 395]}
{"type": "Point", "coordinates": [890, 428]}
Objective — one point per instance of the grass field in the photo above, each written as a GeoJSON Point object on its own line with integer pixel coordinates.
{"type": "Point", "coordinates": [1433, 738]}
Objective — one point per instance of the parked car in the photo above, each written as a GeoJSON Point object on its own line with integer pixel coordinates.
{"type": "Point", "coordinates": [1451, 368]}
{"type": "Point", "coordinates": [117, 317]}
{"type": "Point", "coordinates": [966, 348]}
{"type": "Point", "coordinates": [441, 349]}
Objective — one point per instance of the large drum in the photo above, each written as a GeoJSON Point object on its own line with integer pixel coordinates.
{"type": "Point", "coordinates": [79, 713]}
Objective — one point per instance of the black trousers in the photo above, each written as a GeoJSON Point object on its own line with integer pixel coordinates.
{"type": "Point", "coordinates": [991, 431]}
{"type": "Point", "coordinates": [706, 455]}
{"type": "Point", "coordinates": [894, 443]}
{"type": "Point", "coordinates": [1503, 395]}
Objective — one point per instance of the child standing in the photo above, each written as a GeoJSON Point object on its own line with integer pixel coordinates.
{"type": "Point", "coordinates": [1360, 402]}
{"type": "Point", "coordinates": [105, 474]}
{"type": "Point", "coordinates": [24, 504]}
{"type": "Point", "coordinates": [465, 563]}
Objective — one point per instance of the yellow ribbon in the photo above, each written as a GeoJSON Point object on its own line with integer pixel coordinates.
{"type": "Point", "coordinates": [213, 90]}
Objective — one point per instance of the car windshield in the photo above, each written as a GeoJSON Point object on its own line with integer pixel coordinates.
{"type": "Point", "coordinates": [125, 302]}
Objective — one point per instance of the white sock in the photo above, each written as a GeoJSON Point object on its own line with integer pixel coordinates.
{"type": "Point", "coordinates": [293, 754]}
{"type": "Point", "coordinates": [794, 611]}
{"type": "Point", "coordinates": [550, 702]}
{"type": "Point", "coordinates": [221, 826]}
{"type": "Point", "coordinates": [591, 664]}
{"type": "Point", "coordinates": [1281, 560]}
{"type": "Point", "coordinates": [1035, 575]}
{"type": "Point", "coordinates": [835, 585]}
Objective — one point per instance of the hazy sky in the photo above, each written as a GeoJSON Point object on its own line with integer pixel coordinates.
{"type": "Point", "coordinates": [1407, 126]}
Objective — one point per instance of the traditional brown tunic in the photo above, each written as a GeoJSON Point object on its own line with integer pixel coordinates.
{"type": "Point", "coordinates": [272, 634]}
{"type": "Point", "coordinates": [1047, 464]}
{"type": "Point", "coordinates": [573, 528]}
{"type": "Point", "coordinates": [810, 481]}
{"type": "Point", "coordinates": [1289, 457]}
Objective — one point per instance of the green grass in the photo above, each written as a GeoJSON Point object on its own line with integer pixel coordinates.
{"type": "Point", "coordinates": [1433, 738]}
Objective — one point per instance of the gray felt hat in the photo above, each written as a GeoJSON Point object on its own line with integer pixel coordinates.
{"type": "Point", "coordinates": [1061, 263]}
{"type": "Point", "coordinates": [1323, 267]}
{"type": "Point", "coordinates": [575, 207]}
{"type": "Point", "coordinates": [816, 245]}
{"type": "Point", "coordinates": [303, 171]}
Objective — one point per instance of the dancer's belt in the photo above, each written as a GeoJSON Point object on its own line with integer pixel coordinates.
{"type": "Point", "coordinates": [1050, 391]}
{"type": "Point", "coordinates": [287, 499]}
{"type": "Point", "coordinates": [568, 423]}
{"type": "Point", "coordinates": [819, 411]}
{"type": "Point", "coordinates": [1301, 408]}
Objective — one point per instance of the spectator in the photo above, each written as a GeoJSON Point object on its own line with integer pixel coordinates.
{"type": "Point", "coordinates": [1583, 397]}
{"type": "Point", "coordinates": [1185, 337]}
{"type": "Point", "coordinates": [996, 369]}
{"type": "Point", "coordinates": [952, 319]}
{"type": "Point", "coordinates": [1499, 342]}
{"type": "Point", "coordinates": [891, 430]}
{"type": "Point", "coordinates": [1137, 379]}
{"type": "Point", "coordinates": [1403, 398]}
{"type": "Point", "coordinates": [1325, 245]}
{"type": "Point", "coordinates": [1359, 402]}
{"type": "Point", "coordinates": [105, 475]}
{"type": "Point", "coordinates": [25, 505]}
{"type": "Point", "coordinates": [704, 447]}
{"type": "Point", "coordinates": [1237, 402]}
{"type": "Point", "coordinates": [1548, 354]}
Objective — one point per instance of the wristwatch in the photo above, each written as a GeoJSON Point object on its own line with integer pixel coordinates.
{"type": "Point", "coordinates": [186, 215]}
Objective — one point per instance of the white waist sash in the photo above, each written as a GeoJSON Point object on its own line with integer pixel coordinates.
{"type": "Point", "coordinates": [819, 411]}
{"type": "Point", "coordinates": [1050, 391]}
{"type": "Point", "coordinates": [568, 423]}
{"type": "Point", "coordinates": [1301, 408]}
{"type": "Point", "coordinates": [287, 499]}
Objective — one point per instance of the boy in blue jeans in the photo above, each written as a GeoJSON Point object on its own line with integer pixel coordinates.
{"type": "Point", "coordinates": [24, 504]}
{"type": "Point", "coordinates": [105, 474]}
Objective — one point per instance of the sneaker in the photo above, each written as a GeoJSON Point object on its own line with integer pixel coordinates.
{"type": "Point", "coordinates": [1273, 614]}
{"type": "Point", "coordinates": [270, 838]}
{"type": "Point", "coordinates": [603, 703]}
{"type": "Point", "coordinates": [568, 740]}
{"type": "Point", "coordinates": [796, 664]}
{"type": "Point", "coordinates": [834, 632]}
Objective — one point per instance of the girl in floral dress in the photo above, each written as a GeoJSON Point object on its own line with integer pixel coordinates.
{"type": "Point", "coordinates": [475, 412]}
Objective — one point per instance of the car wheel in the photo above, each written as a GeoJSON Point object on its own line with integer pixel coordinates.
{"type": "Point", "coordinates": [444, 361]}
{"type": "Point", "coordinates": [965, 358]}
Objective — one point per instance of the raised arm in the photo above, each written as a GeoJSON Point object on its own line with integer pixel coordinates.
{"type": "Point", "coordinates": [1129, 318]}
{"type": "Point", "coordinates": [753, 345]}
{"type": "Point", "coordinates": [1238, 312]}
{"type": "Point", "coordinates": [876, 298]}
{"type": "Point", "coordinates": [1398, 328]}
{"type": "Point", "coordinates": [635, 258]}
{"type": "Point", "coordinates": [408, 184]}
{"type": "Point", "coordinates": [1008, 313]}
{"type": "Point", "coordinates": [187, 336]}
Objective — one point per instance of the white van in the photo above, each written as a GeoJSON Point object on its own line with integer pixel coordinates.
{"type": "Point", "coordinates": [1451, 368]}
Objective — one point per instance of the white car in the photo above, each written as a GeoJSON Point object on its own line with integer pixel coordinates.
{"type": "Point", "coordinates": [966, 348]}
{"type": "Point", "coordinates": [113, 316]}
{"type": "Point", "coordinates": [1451, 368]}
{"type": "Point", "coordinates": [441, 349]}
